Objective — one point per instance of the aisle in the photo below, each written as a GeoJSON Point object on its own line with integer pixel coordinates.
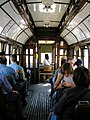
{"type": "Point", "coordinates": [39, 102]}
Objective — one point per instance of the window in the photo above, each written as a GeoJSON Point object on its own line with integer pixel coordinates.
{"type": "Point", "coordinates": [86, 58]}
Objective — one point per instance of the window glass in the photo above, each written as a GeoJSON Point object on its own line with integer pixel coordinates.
{"type": "Point", "coordinates": [86, 58]}
{"type": "Point", "coordinates": [31, 51]}
{"type": "Point", "coordinates": [26, 61]}
{"type": "Point", "coordinates": [31, 61]}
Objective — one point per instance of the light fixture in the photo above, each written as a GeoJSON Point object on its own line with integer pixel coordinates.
{"type": "Point", "coordinates": [46, 25]}
{"type": "Point", "coordinates": [47, 4]}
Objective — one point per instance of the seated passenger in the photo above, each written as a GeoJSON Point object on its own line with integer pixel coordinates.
{"type": "Point", "coordinates": [78, 63]}
{"type": "Point", "coordinates": [55, 76]}
{"type": "Point", "coordinates": [15, 66]}
{"type": "Point", "coordinates": [2, 54]}
{"type": "Point", "coordinates": [11, 95]}
{"type": "Point", "coordinates": [64, 81]}
{"type": "Point", "coordinates": [19, 78]}
{"type": "Point", "coordinates": [46, 60]}
{"type": "Point", "coordinates": [7, 71]}
{"type": "Point", "coordinates": [64, 109]}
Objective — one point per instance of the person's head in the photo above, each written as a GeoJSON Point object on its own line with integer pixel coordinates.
{"type": "Point", "coordinates": [13, 58]}
{"type": "Point", "coordinates": [67, 69]}
{"type": "Point", "coordinates": [78, 63]}
{"type": "Point", "coordinates": [81, 77]}
{"type": "Point", "coordinates": [70, 60]}
{"type": "Point", "coordinates": [2, 54]}
{"type": "Point", "coordinates": [3, 60]}
{"type": "Point", "coordinates": [63, 61]}
{"type": "Point", "coordinates": [46, 56]}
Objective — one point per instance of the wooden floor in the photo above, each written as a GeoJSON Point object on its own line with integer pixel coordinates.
{"type": "Point", "coordinates": [39, 102]}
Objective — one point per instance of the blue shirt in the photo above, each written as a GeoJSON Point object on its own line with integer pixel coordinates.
{"type": "Point", "coordinates": [8, 71]}
{"type": "Point", "coordinates": [16, 67]}
{"type": "Point", "coordinates": [6, 87]}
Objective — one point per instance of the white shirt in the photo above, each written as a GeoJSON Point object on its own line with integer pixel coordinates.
{"type": "Point", "coordinates": [46, 62]}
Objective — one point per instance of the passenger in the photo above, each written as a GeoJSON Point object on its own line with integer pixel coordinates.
{"type": "Point", "coordinates": [71, 61]}
{"type": "Point", "coordinates": [64, 109]}
{"type": "Point", "coordinates": [2, 54]}
{"type": "Point", "coordinates": [15, 66]}
{"type": "Point", "coordinates": [11, 95]}
{"type": "Point", "coordinates": [65, 77]}
{"type": "Point", "coordinates": [64, 82]}
{"type": "Point", "coordinates": [78, 63]}
{"type": "Point", "coordinates": [46, 60]}
{"type": "Point", "coordinates": [11, 75]}
{"type": "Point", "coordinates": [7, 71]}
{"type": "Point", "coordinates": [20, 80]}
{"type": "Point", "coordinates": [55, 76]}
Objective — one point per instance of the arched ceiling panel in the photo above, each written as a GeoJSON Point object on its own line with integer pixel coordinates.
{"type": "Point", "coordinates": [64, 33]}
{"type": "Point", "coordinates": [87, 23]}
{"type": "Point", "coordinates": [79, 34]}
{"type": "Point", "coordinates": [70, 39]}
{"type": "Point", "coordinates": [28, 32]}
{"type": "Point", "coordinates": [83, 13]}
{"type": "Point", "coordinates": [11, 23]}
{"type": "Point", "coordinates": [22, 38]}
{"type": "Point", "coordinates": [4, 19]}
{"type": "Point", "coordinates": [13, 32]}
{"type": "Point", "coordinates": [2, 1]}
{"type": "Point", "coordinates": [85, 30]}
{"type": "Point", "coordinates": [80, 25]}
{"type": "Point", "coordinates": [10, 9]}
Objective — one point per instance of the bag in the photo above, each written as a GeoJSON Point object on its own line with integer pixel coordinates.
{"type": "Point", "coordinates": [82, 111]}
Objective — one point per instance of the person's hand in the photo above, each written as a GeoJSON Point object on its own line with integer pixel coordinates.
{"type": "Point", "coordinates": [66, 84]}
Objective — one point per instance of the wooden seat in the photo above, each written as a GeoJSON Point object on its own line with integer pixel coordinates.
{"type": "Point", "coordinates": [48, 69]}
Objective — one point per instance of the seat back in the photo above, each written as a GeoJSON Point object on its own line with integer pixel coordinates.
{"type": "Point", "coordinates": [10, 80]}
{"type": "Point", "coordinates": [82, 111]}
{"type": "Point", "coordinates": [20, 75]}
{"type": "Point", "coordinates": [48, 69]}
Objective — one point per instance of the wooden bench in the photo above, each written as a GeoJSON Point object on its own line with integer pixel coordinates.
{"type": "Point", "coordinates": [44, 76]}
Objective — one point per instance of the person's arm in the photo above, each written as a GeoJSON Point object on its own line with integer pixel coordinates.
{"type": "Point", "coordinates": [59, 77]}
{"type": "Point", "coordinates": [6, 84]}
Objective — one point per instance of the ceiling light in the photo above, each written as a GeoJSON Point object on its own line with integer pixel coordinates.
{"type": "Point", "coordinates": [47, 4]}
{"type": "Point", "coordinates": [46, 42]}
{"type": "Point", "coordinates": [46, 25]}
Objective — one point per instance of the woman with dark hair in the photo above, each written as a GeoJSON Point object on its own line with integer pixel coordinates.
{"type": "Point", "coordinates": [64, 109]}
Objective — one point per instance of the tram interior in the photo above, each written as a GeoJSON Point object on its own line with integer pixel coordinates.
{"type": "Point", "coordinates": [32, 28]}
